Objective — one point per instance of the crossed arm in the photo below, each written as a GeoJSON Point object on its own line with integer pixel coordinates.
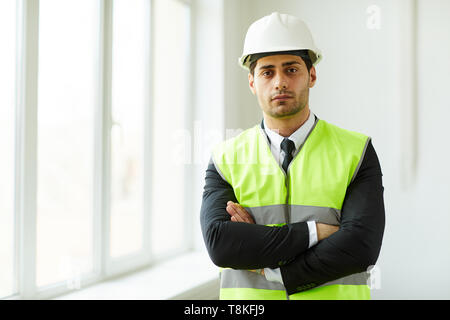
{"type": "Point", "coordinates": [239, 214]}
{"type": "Point", "coordinates": [244, 245]}
{"type": "Point", "coordinates": [351, 249]}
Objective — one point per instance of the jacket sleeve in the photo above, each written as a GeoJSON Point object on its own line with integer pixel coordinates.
{"type": "Point", "coordinates": [241, 245]}
{"type": "Point", "coordinates": [357, 243]}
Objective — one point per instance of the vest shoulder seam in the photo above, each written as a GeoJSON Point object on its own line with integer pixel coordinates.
{"type": "Point", "coordinates": [361, 159]}
{"type": "Point", "coordinates": [219, 171]}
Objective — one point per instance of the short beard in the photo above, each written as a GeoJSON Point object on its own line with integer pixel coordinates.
{"type": "Point", "coordinates": [299, 106]}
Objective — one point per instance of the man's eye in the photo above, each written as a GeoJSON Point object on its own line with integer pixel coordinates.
{"type": "Point", "coordinates": [292, 70]}
{"type": "Point", "coordinates": [266, 73]}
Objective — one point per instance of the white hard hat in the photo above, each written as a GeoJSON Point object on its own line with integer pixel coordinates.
{"type": "Point", "coordinates": [278, 32]}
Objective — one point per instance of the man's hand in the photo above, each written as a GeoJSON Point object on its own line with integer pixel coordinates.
{"type": "Point", "coordinates": [238, 213]}
{"type": "Point", "coordinates": [258, 271]}
{"type": "Point", "coordinates": [325, 230]}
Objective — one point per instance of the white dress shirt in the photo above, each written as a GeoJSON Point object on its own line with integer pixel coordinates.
{"type": "Point", "coordinates": [298, 137]}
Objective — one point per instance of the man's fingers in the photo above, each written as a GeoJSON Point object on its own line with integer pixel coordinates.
{"type": "Point", "coordinates": [234, 214]}
{"type": "Point", "coordinates": [244, 214]}
{"type": "Point", "coordinates": [230, 210]}
{"type": "Point", "coordinates": [237, 211]}
{"type": "Point", "coordinates": [259, 271]}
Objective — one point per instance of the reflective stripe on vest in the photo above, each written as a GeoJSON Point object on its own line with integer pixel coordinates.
{"type": "Point", "coordinates": [232, 283]}
{"type": "Point", "coordinates": [313, 189]}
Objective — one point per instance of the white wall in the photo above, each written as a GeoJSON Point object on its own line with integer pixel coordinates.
{"type": "Point", "coordinates": [366, 83]}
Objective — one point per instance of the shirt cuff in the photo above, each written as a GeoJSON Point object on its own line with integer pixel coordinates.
{"type": "Point", "coordinates": [312, 233]}
{"type": "Point", "coordinates": [273, 275]}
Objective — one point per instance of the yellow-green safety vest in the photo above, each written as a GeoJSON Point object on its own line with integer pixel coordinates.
{"type": "Point", "coordinates": [313, 189]}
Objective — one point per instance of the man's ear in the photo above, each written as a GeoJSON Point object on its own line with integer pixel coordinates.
{"type": "Point", "coordinates": [251, 83]}
{"type": "Point", "coordinates": [312, 77]}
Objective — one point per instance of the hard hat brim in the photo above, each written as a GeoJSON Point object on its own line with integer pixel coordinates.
{"type": "Point", "coordinates": [245, 62]}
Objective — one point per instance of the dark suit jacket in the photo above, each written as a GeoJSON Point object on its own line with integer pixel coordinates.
{"type": "Point", "coordinates": [352, 249]}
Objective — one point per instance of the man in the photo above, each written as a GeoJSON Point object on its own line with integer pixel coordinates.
{"type": "Point", "coordinates": [292, 208]}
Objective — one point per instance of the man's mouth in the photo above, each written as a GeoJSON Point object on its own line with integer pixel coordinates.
{"type": "Point", "coordinates": [281, 97]}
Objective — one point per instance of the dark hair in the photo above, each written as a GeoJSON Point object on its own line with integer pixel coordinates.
{"type": "Point", "coordinates": [304, 54]}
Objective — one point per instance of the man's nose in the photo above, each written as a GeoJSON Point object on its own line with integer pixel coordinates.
{"type": "Point", "coordinates": [280, 82]}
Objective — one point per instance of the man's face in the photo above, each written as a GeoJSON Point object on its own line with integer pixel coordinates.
{"type": "Point", "coordinates": [281, 84]}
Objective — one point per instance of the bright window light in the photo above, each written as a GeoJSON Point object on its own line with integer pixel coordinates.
{"type": "Point", "coordinates": [130, 63]}
{"type": "Point", "coordinates": [67, 99]}
{"type": "Point", "coordinates": [170, 103]}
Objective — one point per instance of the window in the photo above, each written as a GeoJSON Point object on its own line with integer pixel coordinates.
{"type": "Point", "coordinates": [7, 137]}
{"type": "Point", "coordinates": [86, 179]}
{"type": "Point", "coordinates": [171, 70]}
{"type": "Point", "coordinates": [130, 68]}
{"type": "Point", "coordinates": [68, 48]}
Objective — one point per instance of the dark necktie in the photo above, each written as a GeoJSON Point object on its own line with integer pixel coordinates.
{"type": "Point", "coordinates": [288, 147]}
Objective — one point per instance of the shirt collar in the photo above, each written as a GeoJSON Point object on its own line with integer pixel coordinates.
{"type": "Point", "coordinates": [298, 137]}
